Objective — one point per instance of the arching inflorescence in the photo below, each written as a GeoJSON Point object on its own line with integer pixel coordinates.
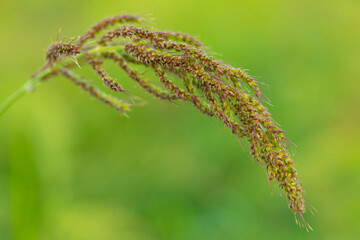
{"type": "Point", "coordinates": [212, 86]}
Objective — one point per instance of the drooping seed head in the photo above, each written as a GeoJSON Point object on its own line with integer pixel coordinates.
{"type": "Point", "coordinates": [212, 86]}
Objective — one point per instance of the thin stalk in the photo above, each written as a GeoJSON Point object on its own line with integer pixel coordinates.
{"type": "Point", "coordinates": [34, 81]}
{"type": "Point", "coordinates": [27, 87]}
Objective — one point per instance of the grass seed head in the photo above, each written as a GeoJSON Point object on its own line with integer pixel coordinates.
{"type": "Point", "coordinates": [212, 86]}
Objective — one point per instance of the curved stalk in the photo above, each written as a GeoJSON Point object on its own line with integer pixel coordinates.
{"type": "Point", "coordinates": [34, 81]}
{"type": "Point", "coordinates": [27, 87]}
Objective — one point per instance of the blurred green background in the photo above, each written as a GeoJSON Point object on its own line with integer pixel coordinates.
{"type": "Point", "coordinates": [72, 168]}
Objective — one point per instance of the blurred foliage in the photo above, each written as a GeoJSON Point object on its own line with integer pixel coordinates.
{"type": "Point", "coordinates": [72, 168]}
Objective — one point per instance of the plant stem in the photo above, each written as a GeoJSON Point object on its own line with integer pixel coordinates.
{"type": "Point", "coordinates": [34, 81]}
{"type": "Point", "coordinates": [28, 86]}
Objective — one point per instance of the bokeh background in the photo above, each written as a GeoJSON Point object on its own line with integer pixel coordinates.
{"type": "Point", "coordinates": [72, 168]}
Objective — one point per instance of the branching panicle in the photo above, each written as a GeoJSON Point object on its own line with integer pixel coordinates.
{"type": "Point", "coordinates": [212, 86]}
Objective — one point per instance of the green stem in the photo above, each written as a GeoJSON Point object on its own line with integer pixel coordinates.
{"type": "Point", "coordinates": [10, 100]}
{"type": "Point", "coordinates": [28, 86]}
{"type": "Point", "coordinates": [34, 81]}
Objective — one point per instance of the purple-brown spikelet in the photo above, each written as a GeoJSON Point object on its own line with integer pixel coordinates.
{"type": "Point", "coordinates": [215, 88]}
{"type": "Point", "coordinates": [182, 37]}
{"type": "Point", "coordinates": [134, 74]}
{"type": "Point", "coordinates": [107, 22]}
{"type": "Point", "coordinates": [97, 65]}
{"type": "Point", "coordinates": [60, 50]}
{"type": "Point", "coordinates": [119, 104]}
